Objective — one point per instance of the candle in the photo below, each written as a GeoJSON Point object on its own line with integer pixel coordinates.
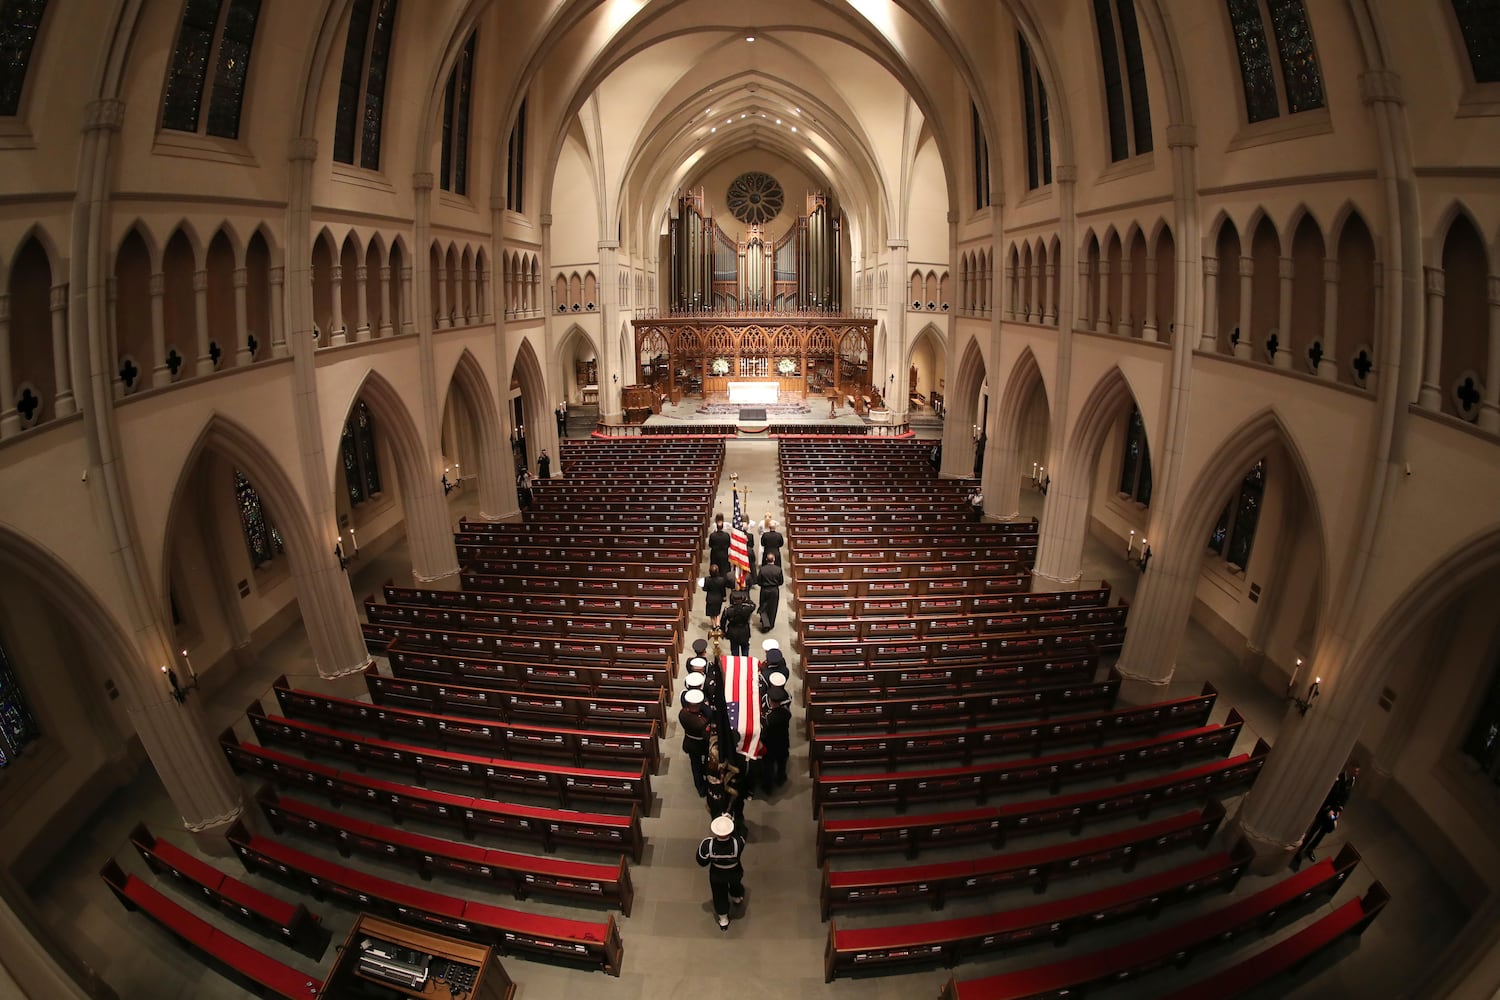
{"type": "Point", "coordinates": [192, 674]}
{"type": "Point", "coordinates": [1291, 683]}
{"type": "Point", "coordinates": [354, 542]}
{"type": "Point", "coordinates": [1033, 470]}
{"type": "Point", "coordinates": [1130, 543]}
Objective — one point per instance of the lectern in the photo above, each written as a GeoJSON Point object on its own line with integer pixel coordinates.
{"type": "Point", "coordinates": [383, 960]}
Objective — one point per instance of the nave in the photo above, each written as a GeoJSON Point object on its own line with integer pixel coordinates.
{"type": "Point", "coordinates": [776, 946]}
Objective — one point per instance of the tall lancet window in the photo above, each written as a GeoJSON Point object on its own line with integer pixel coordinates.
{"type": "Point", "coordinates": [1135, 464]}
{"type": "Point", "coordinates": [1294, 59]}
{"type": "Point", "coordinates": [262, 540]}
{"type": "Point", "coordinates": [17, 726]}
{"type": "Point", "coordinates": [1124, 74]}
{"type": "Point", "coordinates": [360, 455]}
{"type": "Point", "coordinates": [217, 34]}
{"type": "Point", "coordinates": [362, 83]}
{"type": "Point", "coordinates": [1037, 129]}
{"type": "Point", "coordinates": [1234, 536]}
{"type": "Point", "coordinates": [456, 101]}
{"type": "Point", "coordinates": [1483, 742]}
{"type": "Point", "coordinates": [1479, 23]}
{"type": "Point", "coordinates": [20, 21]}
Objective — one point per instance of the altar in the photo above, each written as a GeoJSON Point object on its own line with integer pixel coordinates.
{"type": "Point", "coordinates": [754, 393]}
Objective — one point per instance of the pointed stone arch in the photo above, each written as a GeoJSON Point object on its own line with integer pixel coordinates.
{"type": "Point", "coordinates": [536, 408]}
{"type": "Point", "coordinates": [322, 590]}
{"type": "Point", "coordinates": [482, 435]}
{"type": "Point", "coordinates": [1164, 601]}
{"type": "Point", "coordinates": [963, 406]}
{"type": "Point", "coordinates": [428, 534]}
{"type": "Point", "coordinates": [1003, 489]}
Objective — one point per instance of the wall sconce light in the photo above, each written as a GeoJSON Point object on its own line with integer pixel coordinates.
{"type": "Point", "coordinates": [1305, 702]}
{"type": "Point", "coordinates": [1040, 480]}
{"type": "Point", "coordinates": [458, 480]}
{"type": "Point", "coordinates": [338, 553]}
{"type": "Point", "coordinates": [179, 692]}
{"type": "Point", "coordinates": [616, 377]}
{"type": "Point", "coordinates": [1138, 561]}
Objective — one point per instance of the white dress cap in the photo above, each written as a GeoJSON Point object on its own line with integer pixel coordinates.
{"type": "Point", "coordinates": [693, 697]}
{"type": "Point", "coordinates": [722, 826]}
{"type": "Point", "coordinates": [770, 644]}
{"type": "Point", "coordinates": [777, 679]}
{"type": "Point", "coordinates": [694, 680]}
{"type": "Point", "coordinates": [697, 663]}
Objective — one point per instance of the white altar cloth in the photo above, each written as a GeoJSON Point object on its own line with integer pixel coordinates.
{"type": "Point", "coordinates": [758, 393]}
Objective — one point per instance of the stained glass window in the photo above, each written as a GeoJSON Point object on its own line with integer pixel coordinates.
{"type": "Point", "coordinates": [1479, 23]}
{"type": "Point", "coordinates": [1244, 517]}
{"type": "Point", "coordinates": [981, 160]}
{"type": "Point", "coordinates": [515, 169]}
{"type": "Point", "coordinates": [1135, 466]}
{"type": "Point", "coordinates": [1033, 113]}
{"type": "Point", "coordinates": [253, 522]}
{"type": "Point", "coordinates": [212, 33]}
{"type": "Point", "coordinates": [1256, 70]}
{"type": "Point", "coordinates": [1220, 534]}
{"type": "Point", "coordinates": [1135, 74]}
{"type": "Point", "coordinates": [1483, 742]}
{"type": "Point", "coordinates": [362, 82]}
{"type": "Point", "coordinates": [360, 455]}
{"type": "Point", "coordinates": [1114, 85]}
{"type": "Point", "coordinates": [1299, 60]}
{"type": "Point", "coordinates": [20, 20]}
{"type": "Point", "coordinates": [17, 726]}
{"type": "Point", "coordinates": [456, 99]}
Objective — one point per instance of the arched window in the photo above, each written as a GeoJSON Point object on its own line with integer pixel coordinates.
{"type": "Point", "coordinates": [20, 20]}
{"type": "Point", "coordinates": [261, 537]}
{"type": "Point", "coordinates": [1295, 57]}
{"type": "Point", "coordinates": [361, 464]}
{"type": "Point", "coordinates": [1135, 465]}
{"type": "Point", "coordinates": [981, 160]}
{"type": "Point", "coordinates": [1117, 49]}
{"type": "Point", "coordinates": [1483, 742]}
{"type": "Point", "coordinates": [1234, 536]}
{"type": "Point", "coordinates": [456, 100]}
{"type": "Point", "coordinates": [218, 34]}
{"type": "Point", "coordinates": [367, 54]}
{"type": "Point", "coordinates": [1479, 23]}
{"type": "Point", "coordinates": [17, 726]}
{"type": "Point", "coordinates": [515, 164]}
{"type": "Point", "coordinates": [1038, 130]}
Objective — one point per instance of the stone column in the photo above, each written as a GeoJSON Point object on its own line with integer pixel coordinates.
{"type": "Point", "coordinates": [362, 302]}
{"type": "Point", "coordinates": [160, 374]}
{"type": "Point", "coordinates": [407, 326]}
{"type": "Point", "coordinates": [200, 320]}
{"type": "Point", "coordinates": [1208, 340]}
{"type": "Point", "coordinates": [1125, 327]}
{"type": "Point", "coordinates": [63, 403]}
{"type": "Point", "coordinates": [476, 308]}
{"type": "Point", "coordinates": [1101, 279]}
{"type": "Point", "coordinates": [1010, 293]}
{"type": "Point", "coordinates": [337, 334]}
{"type": "Point", "coordinates": [1158, 618]}
{"type": "Point", "coordinates": [1243, 349]}
{"type": "Point", "coordinates": [1081, 319]}
{"type": "Point", "coordinates": [242, 355]}
{"type": "Point", "coordinates": [443, 320]}
{"type": "Point", "coordinates": [895, 338]}
{"type": "Point", "coordinates": [1148, 323]}
{"type": "Point", "coordinates": [1034, 301]}
{"type": "Point", "coordinates": [484, 292]}
{"type": "Point", "coordinates": [1430, 397]}
{"type": "Point", "coordinates": [111, 311]}
{"type": "Point", "coordinates": [385, 301]}
{"type": "Point", "coordinates": [10, 420]}
{"type": "Point", "coordinates": [1049, 307]}
{"type": "Point", "coordinates": [1328, 366]}
{"type": "Point", "coordinates": [1489, 409]}
{"type": "Point", "coordinates": [278, 312]}
{"type": "Point", "coordinates": [1283, 358]}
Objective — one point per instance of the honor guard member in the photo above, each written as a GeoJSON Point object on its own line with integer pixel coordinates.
{"type": "Point", "coordinates": [718, 544]}
{"type": "Point", "coordinates": [775, 733]}
{"type": "Point", "coordinates": [771, 542]}
{"type": "Point", "coordinates": [721, 854]}
{"type": "Point", "coordinates": [715, 586]}
{"type": "Point", "coordinates": [695, 723]}
{"type": "Point", "coordinates": [770, 655]}
{"type": "Point", "coordinates": [694, 682]}
{"type": "Point", "coordinates": [737, 623]}
{"type": "Point", "coordinates": [769, 578]}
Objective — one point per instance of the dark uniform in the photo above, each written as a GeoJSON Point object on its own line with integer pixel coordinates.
{"type": "Point", "coordinates": [737, 624]}
{"type": "Point", "coordinates": [718, 549]}
{"type": "Point", "coordinates": [776, 737]}
{"type": "Point", "coordinates": [695, 723]}
{"type": "Point", "coordinates": [714, 589]}
{"type": "Point", "coordinates": [543, 466]}
{"type": "Point", "coordinates": [771, 542]}
{"type": "Point", "coordinates": [769, 579]}
{"type": "Point", "coordinates": [722, 855]}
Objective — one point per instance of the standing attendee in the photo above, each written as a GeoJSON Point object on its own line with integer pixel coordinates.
{"type": "Point", "coordinates": [737, 623]}
{"type": "Point", "coordinates": [775, 734]}
{"type": "Point", "coordinates": [718, 545]}
{"type": "Point", "coordinates": [562, 420]}
{"type": "Point", "coordinates": [769, 578]}
{"type": "Point", "coordinates": [715, 588]}
{"type": "Point", "coordinates": [1328, 814]}
{"type": "Point", "coordinates": [695, 722]}
{"type": "Point", "coordinates": [976, 504]}
{"type": "Point", "coordinates": [935, 456]}
{"type": "Point", "coordinates": [980, 444]}
{"type": "Point", "coordinates": [543, 466]}
{"type": "Point", "coordinates": [523, 489]}
{"type": "Point", "coordinates": [771, 542]}
{"type": "Point", "coordinates": [721, 854]}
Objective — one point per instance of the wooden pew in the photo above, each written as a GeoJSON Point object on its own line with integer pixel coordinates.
{"type": "Point", "coordinates": [570, 711]}
{"type": "Point", "coordinates": [617, 630]}
{"type": "Point", "coordinates": [554, 578]}
{"type": "Point", "coordinates": [980, 604]}
{"type": "Point", "coordinates": [995, 824]}
{"type": "Point", "coordinates": [951, 941]}
{"type": "Point", "coordinates": [548, 827]}
{"type": "Point", "coordinates": [1080, 975]}
{"type": "Point", "coordinates": [852, 747]}
{"type": "Point", "coordinates": [1289, 954]}
{"type": "Point", "coordinates": [963, 706]}
{"type": "Point", "coordinates": [520, 874]}
{"type": "Point", "coordinates": [552, 781]}
{"type": "Point", "coordinates": [624, 747]}
{"type": "Point", "coordinates": [1037, 867]}
{"type": "Point", "coordinates": [966, 666]}
{"type": "Point", "coordinates": [513, 932]}
{"type": "Point", "coordinates": [980, 781]}
{"type": "Point", "coordinates": [264, 975]}
{"type": "Point", "coordinates": [818, 631]}
{"type": "Point", "coordinates": [555, 604]}
{"type": "Point", "coordinates": [538, 676]}
{"type": "Point", "coordinates": [289, 923]}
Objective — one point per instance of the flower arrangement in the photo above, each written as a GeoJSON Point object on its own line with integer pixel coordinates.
{"type": "Point", "coordinates": [721, 366]}
{"type": "Point", "coordinates": [786, 366]}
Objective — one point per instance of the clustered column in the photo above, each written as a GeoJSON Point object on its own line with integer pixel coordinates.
{"type": "Point", "coordinates": [407, 326]}
{"type": "Point", "coordinates": [200, 314]}
{"type": "Point", "coordinates": [64, 404]}
{"type": "Point", "coordinates": [1127, 270]}
{"type": "Point", "coordinates": [1081, 311]}
{"type": "Point", "coordinates": [1010, 293]}
{"type": "Point", "coordinates": [1049, 308]}
{"type": "Point", "coordinates": [1430, 397]}
{"type": "Point", "coordinates": [1101, 280]}
{"type": "Point", "coordinates": [443, 322]}
{"type": "Point", "coordinates": [362, 302]}
{"type": "Point", "coordinates": [10, 420]}
{"type": "Point", "coordinates": [160, 373]}
{"type": "Point", "coordinates": [1328, 366]}
{"type": "Point", "coordinates": [242, 355]}
{"type": "Point", "coordinates": [336, 283]}
{"type": "Point", "coordinates": [1208, 340]}
{"type": "Point", "coordinates": [1242, 347]}
{"type": "Point", "coordinates": [1283, 355]}
{"type": "Point", "coordinates": [1148, 323]}
{"type": "Point", "coordinates": [278, 316]}
{"type": "Point", "coordinates": [385, 301]}
{"type": "Point", "coordinates": [1489, 408]}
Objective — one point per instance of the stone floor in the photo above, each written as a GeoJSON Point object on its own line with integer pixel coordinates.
{"type": "Point", "coordinates": [775, 949]}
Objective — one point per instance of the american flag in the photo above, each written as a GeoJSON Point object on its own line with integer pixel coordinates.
{"type": "Point", "coordinates": [742, 699]}
{"type": "Point", "coordinates": [739, 544]}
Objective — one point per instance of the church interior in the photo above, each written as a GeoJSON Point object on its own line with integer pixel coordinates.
{"type": "Point", "coordinates": [292, 294]}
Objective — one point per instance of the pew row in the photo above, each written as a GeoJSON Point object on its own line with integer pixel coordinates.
{"type": "Point", "coordinates": [959, 705]}
{"type": "Point", "coordinates": [514, 932]}
{"type": "Point", "coordinates": [264, 975]}
{"type": "Point", "coordinates": [1081, 975]}
{"type": "Point", "coordinates": [555, 604]}
{"type": "Point", "coordinates": [289, 923]}
{"type": "Point", "coordinates": [537, 648]}
{"type": "Point", "coordinates": [1037, 867]}
{"type": "Point", "coordinates": [548, 827]}
{"type": "Point", "coordinates": [952, 941]}
{"type": "Point", "coordinates": [571, 711]}
{"type": "Point", "coordinates": [535, 676]}
{"type": "Point", "coordinates": [973, 672]}
{"type": "Point", "coordinates": [520, 874]}
{"type": "Point", "coordinates": [980, 781]}
{"type": "Point", "coordinates": [621, 627]}
{"type": "Point", "coordinates": [993, 825]}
